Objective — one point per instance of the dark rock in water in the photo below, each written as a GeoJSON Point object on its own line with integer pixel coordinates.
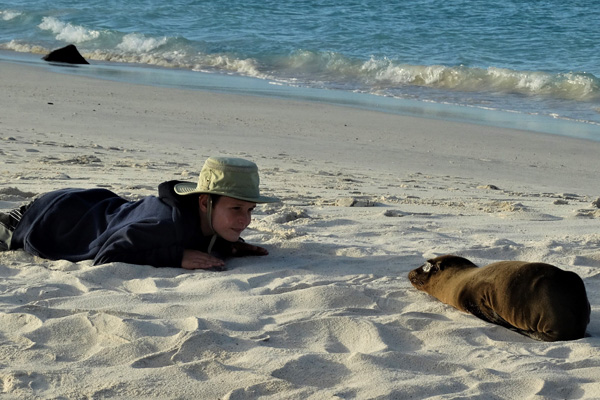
{"type": "Point", "coordinates": [68, 54]}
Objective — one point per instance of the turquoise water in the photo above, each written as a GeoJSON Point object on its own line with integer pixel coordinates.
{"type": "Point", "coordinates": [535, 58]}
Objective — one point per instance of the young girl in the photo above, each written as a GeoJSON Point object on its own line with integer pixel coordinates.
{"type": "Point", "coordinates": [193, 226]}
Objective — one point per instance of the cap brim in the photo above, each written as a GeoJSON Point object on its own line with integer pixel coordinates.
{"type": "Point", "coordinates": [186, 188]}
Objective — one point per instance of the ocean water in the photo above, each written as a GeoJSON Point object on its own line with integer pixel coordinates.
{"type": "Point", "coordinates": [525, 60]}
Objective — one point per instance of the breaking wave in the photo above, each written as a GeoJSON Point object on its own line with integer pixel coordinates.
{"type": "Point", "coordinates": [68, 32]}
{"type": "Point", "coordinates": [572, 86]}
{"type": "Point", "coordinates": [322, 69]}
{"type": "Point", "coordinates": [8, 15]}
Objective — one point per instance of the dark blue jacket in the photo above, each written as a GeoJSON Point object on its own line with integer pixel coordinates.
{"type": "Point", "coordinates": [82, 224]}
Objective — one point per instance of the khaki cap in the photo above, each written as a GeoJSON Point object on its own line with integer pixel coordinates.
{"type": "Point", "coordinates": [227, 176]}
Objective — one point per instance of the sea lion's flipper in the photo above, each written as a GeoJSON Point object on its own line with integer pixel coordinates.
{"type": "Point", "coordinates": [491, 316]}
{"type": "Point", "coordinates": [488, 315]}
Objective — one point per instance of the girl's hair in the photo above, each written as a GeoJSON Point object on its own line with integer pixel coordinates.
{"type": "Point", "coordinates": [215, 198]}
{"type": "Point", "coordinates": [193, 199]}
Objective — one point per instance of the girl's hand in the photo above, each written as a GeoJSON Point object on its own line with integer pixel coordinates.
{"type": "Point", "coordinates": [194, 259]}
{"type": "Point", "coordinates": [241, 249]}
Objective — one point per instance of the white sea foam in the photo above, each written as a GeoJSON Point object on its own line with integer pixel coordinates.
{"type": "Point", "coordinates": [68, 32]}
{"type": "Point", "coordinates": [573, 86]}
{"type": "Point", "coordinates": [582, 86]}
{"type": "Point", "coordinates": [179, 59]}
{"type": "Point", "coordinates": [168, 59]}
{"type": "Point", "coordinates": [137, 43]}
{"type": "Point", "coordinates": [246, 67]}
{"type": "Point", "coordinates": [8, 15]}
{"type": "Point", "coordinates": [386, 72]}
{"type": "Point", "coordinates": [15, 45]}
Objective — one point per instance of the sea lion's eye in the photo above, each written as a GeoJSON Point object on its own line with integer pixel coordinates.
{"type": "Point", "coordinates": [427, 267]}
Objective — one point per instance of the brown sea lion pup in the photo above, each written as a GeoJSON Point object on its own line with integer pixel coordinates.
{"type": "Point", "coordinates": [535, 299]}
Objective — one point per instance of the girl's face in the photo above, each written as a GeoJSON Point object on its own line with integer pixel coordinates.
{"type": "Point", "coordinates": [231, 216]}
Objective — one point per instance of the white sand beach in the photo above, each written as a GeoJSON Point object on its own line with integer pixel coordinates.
{"type": "Point", "coordinates": [330, 313]}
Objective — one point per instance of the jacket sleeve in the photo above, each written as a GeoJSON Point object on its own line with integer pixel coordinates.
{"type": "Point", "coordinates": [154, 243]}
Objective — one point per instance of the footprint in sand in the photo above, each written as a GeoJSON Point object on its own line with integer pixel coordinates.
{"type": "Point", "coordinates": [14, 382]}
{"type": "Point", "coordinates": [261, 390]}
{"type": "Point", "coordinates": [330, 335]}
{"type": "Point", "coordinates": [15, 194]}
{"type": "Point", "coordinates": [313, 370]}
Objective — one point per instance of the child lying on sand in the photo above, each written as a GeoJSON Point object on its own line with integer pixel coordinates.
{"type": "Point", "coordinates": [183, 226]}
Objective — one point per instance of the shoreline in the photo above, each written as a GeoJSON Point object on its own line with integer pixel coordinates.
{"type": "Point", "coordinates": [361, 139]}
{"type": "Point", "coordinates": [151, 75]}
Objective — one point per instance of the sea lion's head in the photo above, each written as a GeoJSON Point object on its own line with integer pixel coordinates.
{"type": "Point", "coordinates": [421, 276]}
